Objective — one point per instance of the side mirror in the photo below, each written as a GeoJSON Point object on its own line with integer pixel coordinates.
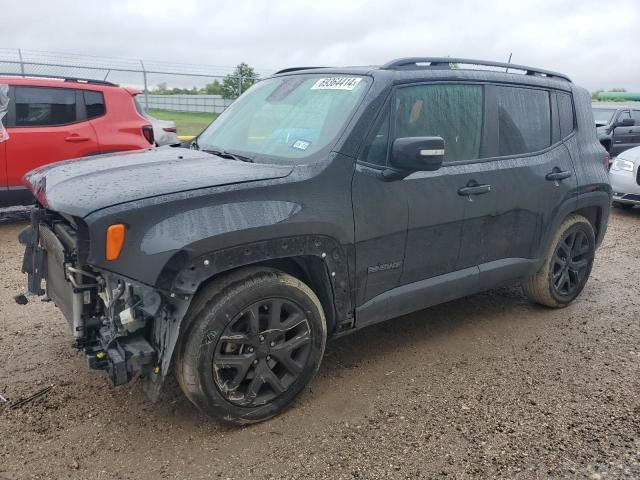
{"type": "Point", "coordinates": [417, 153]}
{"type": "Point", "coordinates": [626, 122]}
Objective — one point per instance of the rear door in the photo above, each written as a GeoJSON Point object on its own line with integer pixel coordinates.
{"type": "Point", "coordinates": [47, 125]}
{"type": "Point", "coordinates": [529, 176]}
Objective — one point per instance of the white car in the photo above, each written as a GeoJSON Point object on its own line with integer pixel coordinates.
{"type": "Point", "coordinates": [625, 178]}
{"type": "Point", "coordinates": [164, 131]}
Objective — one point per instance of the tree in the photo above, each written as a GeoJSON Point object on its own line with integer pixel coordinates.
{"type": "Point", "coordinates": [161, 89]}
{"type": "Point", "coordinates": [239, 81]}
{"type": "Point", "coordinates": [618, 90]}
{"type": "Point", "coordinates": [213, 88]}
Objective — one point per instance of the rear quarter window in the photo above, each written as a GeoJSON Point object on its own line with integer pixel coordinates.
{"type": "Point", "coordinates": [38, 106]}
{"type": "Point", "coordinates": [94, 103]}
{"type": "Point", "coordinates": [565, 114]}
{"type": "Point", "coordinates": [524, 120]}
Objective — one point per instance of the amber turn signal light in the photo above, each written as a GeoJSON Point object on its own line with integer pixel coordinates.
{"type": "Point", "coordinates": [115, 241]}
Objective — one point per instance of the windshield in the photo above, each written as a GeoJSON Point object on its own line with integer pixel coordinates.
{"type": "Point", "coordinates": [288, 117]}
{"type": "Point", "coordinates": [603, 115]}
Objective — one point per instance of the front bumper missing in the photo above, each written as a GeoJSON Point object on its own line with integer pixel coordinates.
{"type": "Point", "coordinates": [47, 259]}
{"type": "Point", "coordinates": [124, 354]}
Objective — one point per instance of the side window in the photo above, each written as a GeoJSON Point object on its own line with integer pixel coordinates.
{"type": "Point", "coordinates": [565, 114]}
{"type": "Point", "coordinates": [36, 106]}
{"type": "Point", "coordinates": [623, 116]}
{"type": "Point", "coordinates": [453, 112]}
{"type": "Point", "coordinates": [635, 114]}
{"type": "Point", "coordinates": [524, 120]}
{"type": "Point", "coordinates": [94, 101]}
{"type": "Point", "coordinates": [376, 151]}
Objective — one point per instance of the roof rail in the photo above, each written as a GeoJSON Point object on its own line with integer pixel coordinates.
{"type": "Point", "coordinates": [295, 69]}
{"type": "Point", "coordinates": [444, 62]}
{"type": "Point", "coordinates": [91, 81]}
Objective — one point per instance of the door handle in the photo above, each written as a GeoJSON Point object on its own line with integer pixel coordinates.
{"type": "Point", "coordinates": [558, 175]}
{"type": "Point", "coordinates": [474, 190]}
{"type": "Point", "coordinates": [76, 138]}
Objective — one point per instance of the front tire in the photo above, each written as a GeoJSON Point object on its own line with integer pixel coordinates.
{"type": "Point", "coordinates": [567, 265]}
{"type": "Point", "coordinates": [254, 340]}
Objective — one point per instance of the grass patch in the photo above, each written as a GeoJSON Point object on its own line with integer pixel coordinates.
{"type": "Point", "coordinates": [188, 123]}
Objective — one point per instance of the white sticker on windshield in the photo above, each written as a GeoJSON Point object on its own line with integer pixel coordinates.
{"type": "Point", "coordinates": [336, 83]}
{"type": "Point", "coordinates": [301, 145]}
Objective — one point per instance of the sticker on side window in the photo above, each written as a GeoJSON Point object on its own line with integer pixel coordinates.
{"type": "Point", "coordinates": [336, 83]}
{"type": "Point", "coordinates": [4, 106]}
{"type": "Point", "coordinates": [301, 145]}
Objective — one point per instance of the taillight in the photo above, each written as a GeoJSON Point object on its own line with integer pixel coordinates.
{"type": "Point", "coordinates": [114, 241]}
{"type": "Point", "coordinates": [170, 129]}
{"type": "Point", "coordinates": [147, 131]}
{"type": "Point", "coordinates": [607, 163]}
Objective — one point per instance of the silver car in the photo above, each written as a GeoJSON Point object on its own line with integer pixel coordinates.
{"type": "Point", "coordinates": [164, 131]}
{"type": "Point", "coordinates": [625, 178]}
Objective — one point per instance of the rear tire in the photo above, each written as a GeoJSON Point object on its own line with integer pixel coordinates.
{"type": "Point", "coordinates": [254, 340]}
{"type": "Point", "coordinates": [567, 265]}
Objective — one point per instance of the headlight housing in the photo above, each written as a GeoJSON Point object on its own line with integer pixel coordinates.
{"type": "Point", "coordinates": [621, 164]}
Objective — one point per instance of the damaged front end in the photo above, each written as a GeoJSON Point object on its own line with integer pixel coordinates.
{"type": "Point", "coordinates": [124, 327]}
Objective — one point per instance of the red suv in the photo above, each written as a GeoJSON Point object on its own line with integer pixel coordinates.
{"type": "Point", "coordinates": [49, 120]}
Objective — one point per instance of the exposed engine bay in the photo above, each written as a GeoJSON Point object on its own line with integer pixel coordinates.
{"type": "Point", "coordinates": [121, 325]}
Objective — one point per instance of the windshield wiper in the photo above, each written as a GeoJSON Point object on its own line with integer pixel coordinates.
{"type": "Point", "coordinates": [229, 155]}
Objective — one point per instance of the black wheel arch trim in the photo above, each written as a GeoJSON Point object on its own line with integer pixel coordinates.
{"type": "Point", "coordinates": [593, 202]}
{"type": "Point", "coordinates": [328, 265]}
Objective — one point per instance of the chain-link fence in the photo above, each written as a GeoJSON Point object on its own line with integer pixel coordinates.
{"type": "Point", "coordinates": [166, 85]}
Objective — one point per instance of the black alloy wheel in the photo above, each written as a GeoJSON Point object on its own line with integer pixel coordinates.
{"type": "Point", "coordinates": [262, 352]}
{"type": "Point", "coordinates": [254, 338]}
{"type": "Point", "coordinates": [571, 263]}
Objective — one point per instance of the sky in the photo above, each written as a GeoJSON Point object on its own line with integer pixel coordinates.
{"type": "Point", "coordinates": [595, 42]}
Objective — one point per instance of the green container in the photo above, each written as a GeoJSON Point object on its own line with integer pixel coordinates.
{"type": "Point", "coordinates": [620, 96]}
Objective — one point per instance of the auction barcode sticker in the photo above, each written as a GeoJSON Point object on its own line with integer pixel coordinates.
{"type": "Point", "coordinates": [336, 83]}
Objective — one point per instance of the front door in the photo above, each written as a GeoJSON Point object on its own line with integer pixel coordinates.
{"type": "Point", "coordinates": [3, 166]}
{"type": "Point", "coordinates": [635, 115]}
{"type": "Point", "coordinates": [408, 231]}
{"type": "Point", "coordinates": [47, 126]}
{"type": "Point", "coordinates": [4, 107]}
{"type": "Point", "coordinates": [623, 137]}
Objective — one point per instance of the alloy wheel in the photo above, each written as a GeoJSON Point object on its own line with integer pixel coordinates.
{"type": "Point", "coordinates": [570, 263]}
{"type": "Point", "coordinates": [261, 352]}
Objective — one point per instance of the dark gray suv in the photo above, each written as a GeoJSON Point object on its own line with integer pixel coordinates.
{"type": "Point", "coordinates": [322, 201]}
{"type": "Point", "coordinates": [618, 127]}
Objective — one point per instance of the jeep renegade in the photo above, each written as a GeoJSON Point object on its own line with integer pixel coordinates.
{"type": "Point", "coordinates": [320, 202]}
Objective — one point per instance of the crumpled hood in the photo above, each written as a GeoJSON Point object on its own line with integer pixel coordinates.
{"type": "Point", "coordinates": [81, 186]}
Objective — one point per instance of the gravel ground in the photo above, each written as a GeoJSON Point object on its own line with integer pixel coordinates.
{"type": "Point", "coordinates": [490, 386]}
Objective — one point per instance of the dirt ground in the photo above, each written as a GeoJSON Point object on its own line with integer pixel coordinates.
{"type": "Point", "coordinates": [490, 386]}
